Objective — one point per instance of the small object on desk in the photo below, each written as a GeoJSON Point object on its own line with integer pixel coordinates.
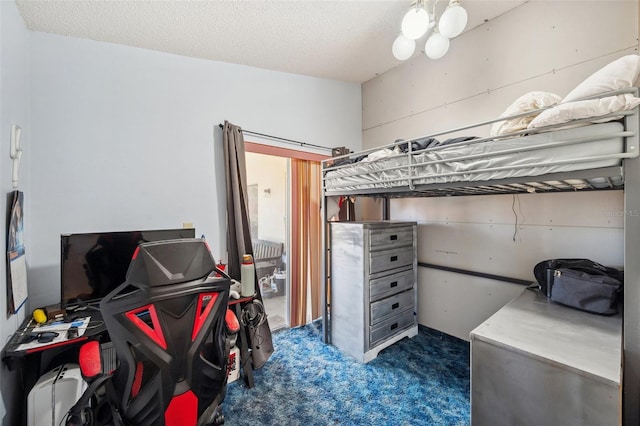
{"type": "Point", "coordinates": [27, 338]}
{"type": "Point", "coordinates": [39, 316]}
{"type": "Point", "coordinates": [247, 276]}
{"type": "Point", "coordinates": [54, 312]}
{"type": "Point", "coordinates": [72, 332]}
{"type": "Point", "coordinates": [71, 317]}
{"type": "Point", "coordinates": [47, 336]}
{"type": "Point", "coordinates": [44, 337]}
{"type": "Point", "coordinates": [236, 286]}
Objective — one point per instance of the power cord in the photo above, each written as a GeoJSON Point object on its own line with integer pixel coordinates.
{"type": "Point", "coordinates": [253, 314]}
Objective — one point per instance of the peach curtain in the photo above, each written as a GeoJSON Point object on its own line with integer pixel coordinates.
{"type": "Point", "coordinates": [305, 240]}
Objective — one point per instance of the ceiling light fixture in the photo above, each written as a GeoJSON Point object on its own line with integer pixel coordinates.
{"type": "Point", "coordinates": [418, 21]}
{"type": "Point", "coordinates": [437, 45]}
{"type": "Point", "coordinates": [403, 47]}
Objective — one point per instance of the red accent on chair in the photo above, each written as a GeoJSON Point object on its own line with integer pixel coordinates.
{"type": "Point", "coordinates": [232, 321]}
{"type": "Point", "coordinates": [89, 359]}
{"type": "Point", "coordinates": [154, 333]}
{"type": "Point", "coordinates": [182, 410]}
{"type": "Point", "coordinates": [137, 379]}
{"type": "Point", "coordinates": [201, 316]}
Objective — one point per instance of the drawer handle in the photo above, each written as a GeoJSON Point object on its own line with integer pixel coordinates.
{"type": "Point", "coordinates": [394, 258]}
{"type": "Point", "coordinates": [393, 237]}
{"type": "Point", "coordinates": [395, 305]}
{"type": "Point", "coordinates": [394, 284]}
{"type": "Point", "coordinates": [394, 325]}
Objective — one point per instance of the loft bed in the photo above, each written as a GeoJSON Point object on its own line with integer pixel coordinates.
{"type": "Point", "coordinates": [575, 155]}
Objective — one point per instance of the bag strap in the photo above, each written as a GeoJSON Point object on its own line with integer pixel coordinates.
{"type": "Point", "coordinates": [112, 400]}
{"type": "Point", "coordinates": [583, 265]}
{"type": "Point", "coordinates": [74, 416]}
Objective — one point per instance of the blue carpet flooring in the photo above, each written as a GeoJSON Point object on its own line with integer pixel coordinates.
{"type": "Point", "coordinates": [418, 381]}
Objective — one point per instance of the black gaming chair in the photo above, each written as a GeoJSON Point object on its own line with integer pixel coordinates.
{"type": "Point", "coordinates": [171, 331]}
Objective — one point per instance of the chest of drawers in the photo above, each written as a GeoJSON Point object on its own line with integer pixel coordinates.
{"type": "Point", "coordinates": [373, 278]}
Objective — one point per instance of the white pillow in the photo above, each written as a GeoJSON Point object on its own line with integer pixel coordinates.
{"type": "Point", "coordinates": [564, 113]}
{"type": "Point", "coordinates": [619, 74]}
{"type": "Point", "coordinates": [528, 102]}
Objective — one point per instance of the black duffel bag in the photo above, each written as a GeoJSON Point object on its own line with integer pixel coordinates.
{"type": "Point", "coordinates": [581, 284]}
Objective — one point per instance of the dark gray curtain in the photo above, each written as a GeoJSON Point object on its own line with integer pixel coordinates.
{"type": "Point", "coordinates": [238, 228]}
{"type": "Point", "coordinates": [239, 232]}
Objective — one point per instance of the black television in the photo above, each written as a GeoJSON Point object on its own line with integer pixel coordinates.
{"type": "Point", "coordinates": [93, 264]}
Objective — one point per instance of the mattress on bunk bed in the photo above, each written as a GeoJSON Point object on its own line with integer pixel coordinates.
{"type": "Point", "coordinates": [366, 175]}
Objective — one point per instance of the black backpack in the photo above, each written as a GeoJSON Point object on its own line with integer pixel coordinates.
{"type": "Point", "coordinates": [581, 283]}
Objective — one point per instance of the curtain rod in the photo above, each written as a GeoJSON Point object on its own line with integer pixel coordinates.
{"type": "Point", "coordinates": [290, 141]}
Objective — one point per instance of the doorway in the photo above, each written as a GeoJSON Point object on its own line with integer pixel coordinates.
{"type": "Point", "coordinates": [287, 183]}
{"type": "Point", "coordinates": [269, 206]}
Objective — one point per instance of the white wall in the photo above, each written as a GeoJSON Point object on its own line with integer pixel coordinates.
{"type": "Point", "coordinates": [540, 45]}
{"type": "Point", "coordinates": [13, 110]}
{"type": "Point", "coordinates": [124, 138]}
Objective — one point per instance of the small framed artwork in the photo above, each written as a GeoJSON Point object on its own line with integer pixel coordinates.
{"type": "Point", "coordinates": [16, 260]}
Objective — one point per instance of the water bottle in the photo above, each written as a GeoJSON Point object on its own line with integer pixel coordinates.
{"type": "Point", "coordinates": [247, 276]}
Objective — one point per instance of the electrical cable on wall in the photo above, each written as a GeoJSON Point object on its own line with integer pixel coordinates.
{"type": "Point", "coordinates": [516, 199]}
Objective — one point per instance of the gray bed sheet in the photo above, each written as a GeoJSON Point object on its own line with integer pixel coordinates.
{"type": "Point", "coordinates": [494, 159]}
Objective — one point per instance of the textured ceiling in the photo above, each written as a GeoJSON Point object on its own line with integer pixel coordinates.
{"type": "Point", "coordinates": [347, 40]}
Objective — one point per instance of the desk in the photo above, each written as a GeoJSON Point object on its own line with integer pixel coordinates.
{"type": "Point", "coordinates": [13, 352]}
{"type": "Point", "coordinates": [31, 363]}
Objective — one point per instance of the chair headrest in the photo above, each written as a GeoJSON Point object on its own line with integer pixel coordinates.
{"type": "Point", "coordinates": [170, 262]}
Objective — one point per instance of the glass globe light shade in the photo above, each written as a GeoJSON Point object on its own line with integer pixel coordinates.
{"type": "Point", "coordinates": [403, 48]}
{"type": "Point", "coordinates": [453, 21]}
{"type": "Point", "coordinates": [415, 23]}
{"type": "Point", "coordinates": [437, 45]}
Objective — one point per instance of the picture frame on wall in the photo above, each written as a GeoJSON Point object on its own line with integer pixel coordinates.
{"type": "Point", "coordinates": [17, 292]}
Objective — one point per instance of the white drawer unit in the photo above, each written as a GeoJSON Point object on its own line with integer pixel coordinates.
{"type": "Point", "coordinates": [373, 286]}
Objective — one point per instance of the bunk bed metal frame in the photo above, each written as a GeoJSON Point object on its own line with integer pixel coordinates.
{"type": "Point", "coordinates": [625, 176]}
